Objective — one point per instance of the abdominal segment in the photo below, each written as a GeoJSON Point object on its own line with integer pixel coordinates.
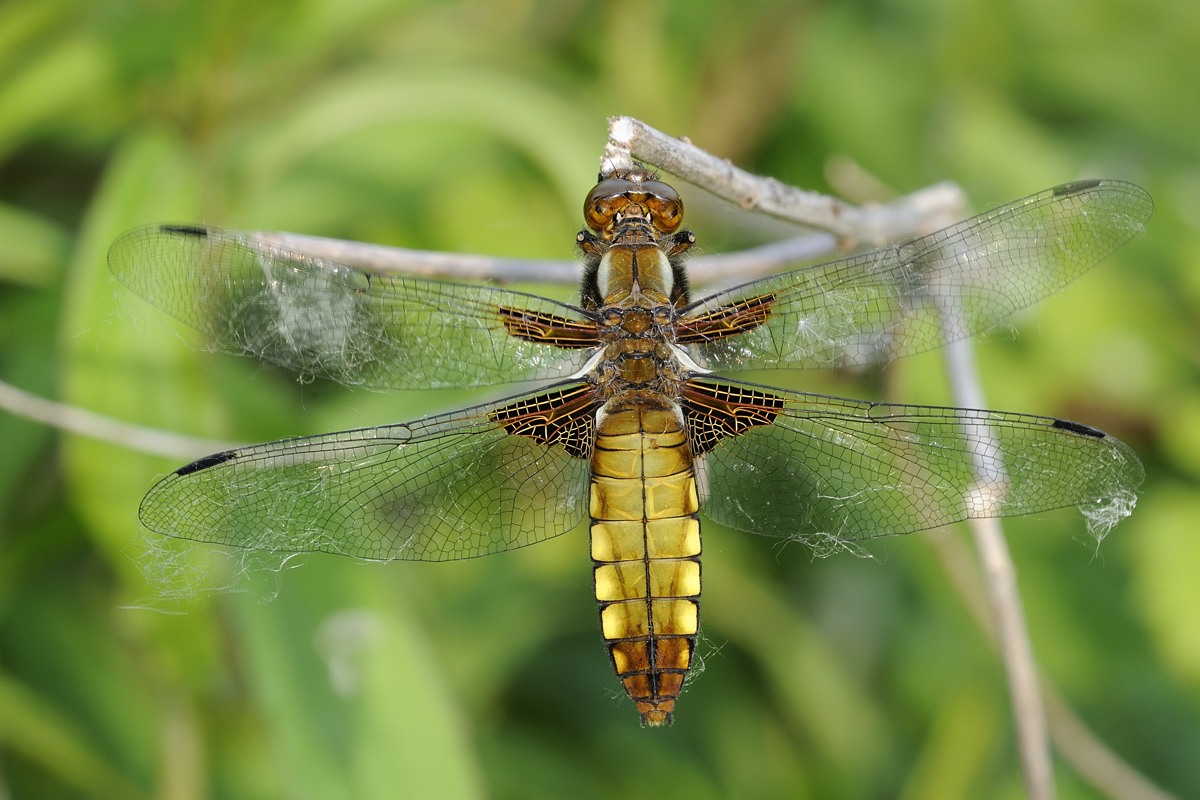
{"type": "Point", "coordinates": [645, 542]}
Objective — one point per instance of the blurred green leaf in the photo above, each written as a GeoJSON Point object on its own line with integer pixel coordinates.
{"type": "Point", "coordinates": [31, 248]}
{"type": "Point", "coordinates": [38, 732]}
{"type": "Point", "coordinates": [380, 704]}
{"type": "Point", "coordinates": [56, 82]}
{"type": "Point", "coordinates": [1167, 548]}
{"type": "Point", "coordinates": [540, 125]}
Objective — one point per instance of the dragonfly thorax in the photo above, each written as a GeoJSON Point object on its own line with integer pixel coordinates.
{"type": "Point", "coordinates": [629, 273]}
{"type": "Point", "coordinates": [638, 352]}
{"type": "Point", "coordinates": [633, 242]}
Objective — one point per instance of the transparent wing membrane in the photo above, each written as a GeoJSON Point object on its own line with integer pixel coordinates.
{"type": "Point", "coordinates": [831, 469]}
{"type": "Point", "coordinates": [921, 294]}
{"type": "Point", "coordinates": [447, 487]}
{"type": "Point", "coordinates": [322, 319]}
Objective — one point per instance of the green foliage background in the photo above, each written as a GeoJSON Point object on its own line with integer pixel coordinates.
{"type": "Point", "coordinates": [129, 670]}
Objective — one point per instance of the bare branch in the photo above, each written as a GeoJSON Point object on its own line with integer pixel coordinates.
{"type": "Point", "coordinates": [1016, 651]}
{"type": "Point", "coordinates": [1008, 632]}
{"type": "Point", "coordinates": [1091, 758]}
{"type": "Point", "coordinates": [428, 263]}
{"type": "Point", "coordinates": [745, 264]}
{"type": "Point", "coordinates": [742, 264]}
{"type": "Point", "coordinates": [918, 213]}
{"type": "Point", "coordinates": [1008, 615]}
{"type": "Point", "coordinates": [1078, 746]}
{"type": "Point", "coordinates": [630, 139]}
{"type": "Point", "coordinates": [106, 429]}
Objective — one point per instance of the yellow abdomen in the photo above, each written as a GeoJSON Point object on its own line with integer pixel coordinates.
{"type": "Point", "coordinates": [646, 548]}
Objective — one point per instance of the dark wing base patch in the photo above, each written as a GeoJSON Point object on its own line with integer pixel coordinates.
{"type": "Point", "coordinates": [564, 416]}
{"type": "Point", "coordinates": [536, 326]}
{"type": "Point", "coordinates": [715, 411]}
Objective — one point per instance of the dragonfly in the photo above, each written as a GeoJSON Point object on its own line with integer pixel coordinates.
{"type": "Point", "coordinates": [635, 424]}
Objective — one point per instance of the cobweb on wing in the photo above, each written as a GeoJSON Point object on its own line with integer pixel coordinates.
{"type": "Point", "coordinates": [316, 322]}
{"type": "Point", "coordinates": [178, 572]}
{"type": "Point", "coordinates": [823, 545]}
{"type": "Point", "coordinates": [1104, 514]}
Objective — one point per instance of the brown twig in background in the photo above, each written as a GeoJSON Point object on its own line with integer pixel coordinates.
{"type": "Point", "coordinates": [631, 140]}
{"type": "Point", "coordinates": [139, 438]}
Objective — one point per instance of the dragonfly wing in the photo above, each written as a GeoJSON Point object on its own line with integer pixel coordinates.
{"type": "Point", "coordinates": [921, 294]}
{"type": "Point", "coordinates": [323, 319]}
{"type": "Point", "coordinates": [826, 469]}
{"type": "Point", "coordinates": [446, 487]}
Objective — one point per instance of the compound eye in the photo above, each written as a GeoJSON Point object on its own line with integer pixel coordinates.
{"type": "Point", "coordinates": [667, 215]}
{"type": "Point", "coordinates": [664, 204]}
{"type": "Point", "coordinates": [604, 201]}
{"type": "Point", "coordinates": [659, 189]}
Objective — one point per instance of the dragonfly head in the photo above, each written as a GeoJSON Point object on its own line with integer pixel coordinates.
{"type": "Point", "coordinates": [630, 195]}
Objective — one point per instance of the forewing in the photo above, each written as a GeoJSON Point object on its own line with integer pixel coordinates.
{"type": "Point", "coordinates": [447, 487]}
{"type": "Point", "coordinates": [921, 294]}
{"type": "Point", "coordinates": [323, 319]}
{"type": "Point", "coordinates": [825, 470]}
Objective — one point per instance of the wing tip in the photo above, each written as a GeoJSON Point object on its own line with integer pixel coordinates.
{"type": "Point", "coordinates": [1138, 202]}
